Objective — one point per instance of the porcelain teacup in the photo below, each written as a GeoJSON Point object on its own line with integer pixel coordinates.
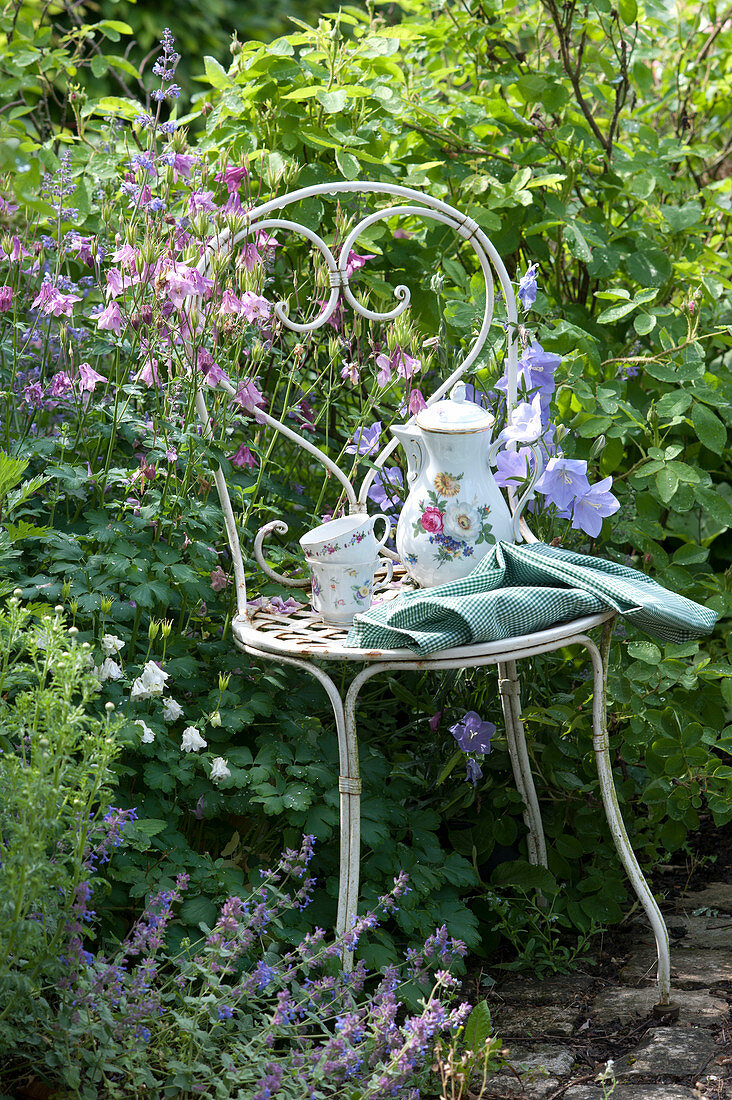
{"type": "Point", "coordinates": [345, 540]}
{"type": "Point", "coordinates": [340, 591]}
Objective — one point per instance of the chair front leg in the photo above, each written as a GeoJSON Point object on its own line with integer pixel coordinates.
{"type": "Point", "coordinates": [509, 689]}
{"type": "Point", "coordinates": [601, 745]}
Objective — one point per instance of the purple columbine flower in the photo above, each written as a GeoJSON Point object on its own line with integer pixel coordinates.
{"type": "Point", "coordinates": [593, 506]}
{"type": "Point", "coordinates": [563, 480]}
{"type": "Point", "coordinates": [365, 440]}
{"type": "Point", "coordinates": [354, 262]}
{"type": "Point", "coordinates": [472, 733]}
{"type": "Point", "coordinates": [6, 298]}
{"type": "Point", "coordinates": [527, 288]}
{"type": "Point", "coordinates": [89, 377]}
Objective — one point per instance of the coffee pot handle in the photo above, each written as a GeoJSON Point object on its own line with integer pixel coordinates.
{"type": "Point", "coordinates": [528, 492]}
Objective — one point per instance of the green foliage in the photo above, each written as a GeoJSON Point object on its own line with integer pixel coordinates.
{"type": "Point", "coordinates": [569, 138]}
{"type": "Point", "coordinates": [55, 782]}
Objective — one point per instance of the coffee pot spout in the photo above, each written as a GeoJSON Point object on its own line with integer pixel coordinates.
{"type": "Point", "coordinates": [410, 439]}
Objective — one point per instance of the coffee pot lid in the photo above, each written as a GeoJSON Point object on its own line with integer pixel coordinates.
{"type": "Point", "coordinates": [456, 414]}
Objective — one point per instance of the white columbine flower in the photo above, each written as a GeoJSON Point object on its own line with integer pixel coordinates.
{"type": "Point", "coordinates": [219, 769]}
{"type": "Point", "coordinates": [148, 735]}
{"type": "Point", "coordinates": [192, 740]}
{"type": "Point", "coordinates": [108, 670]}
{"type": "Point", "coordinates": [171, 710]}
{"type": "Point", "coordinates": [111, 644]}
{"type": "Point", "coordinates": [150, 682]}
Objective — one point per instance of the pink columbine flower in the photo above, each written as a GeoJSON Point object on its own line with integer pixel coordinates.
{"type": "Point", "coordinates": [229, 302]}
{"type": "Point", "coordinates": [110, 319]}
{"type": "Point", "coordinates": [148, 373]}
{"type": "Point", "coordinates": [250, 256]}
{"type": "Point", "coordinates": [383, 362]}
{"type": "Point", "coordinates": [243, 457]}
{"type": "Point", "coordinates": [266, 240]}
{"type": "Point", "coordinates": [18, 250]}
{"type": "Point", "coordinates": [405, 365]}
{"type": "Point", "coordinates": [254, 307]}
{"type": "Point", "coordinates": [89, 377]}
{"type": "Point", "coordinates": [60, 385]}
{"type": "Point", "coordinates": [219, 580]}
{"type": "Point", "coordinates": [115, 283]}
{"type": "Point", "coordinates": [6, 298]}
{"type": "Point", "coordinates": [249, 396]}
{"type": "Point", "coordinates": [201, 201]}
{"type": "Point", "coordinates": [354, 262]}
{"type": "Point", "coordinates": [53, 303]}
{"type": "Point", "coordinates": [416, 402]}
{"type": "Point", "coordinates": [125, 256]}
{"type": "Point", "coordinates": [181, 282]}
{"type": "Point", "coordinates": [232, 177]}
{"type": "Point", "coordinates": [350, 371]}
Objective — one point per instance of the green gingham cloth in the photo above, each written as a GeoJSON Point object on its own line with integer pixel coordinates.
{"type": "Point", "coordinates": [520, 589]}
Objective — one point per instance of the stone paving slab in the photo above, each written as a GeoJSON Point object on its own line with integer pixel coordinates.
{"type": "Point", "coordinates": [540, 1066]}
{"type": "Point", "coordinates": [717, 895]}
{"type": "Point", "coordinates": [695, 968]}
{"type": "Point", "coordinates": [712, 932]}
{"type": "Point", "coordinates": [618, 1003]}
{"type": "Point", "coordinates": [534, 1020]}
{"type": "Point", "coordinates": [669, 1052]}
{"type": "Point", "coordinates": [561, 989]}
{"type": "Point", "coordinates": [633, 1092]}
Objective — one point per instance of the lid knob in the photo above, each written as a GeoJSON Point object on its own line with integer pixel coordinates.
{"type": "Point", "coordinates": [459, 392]}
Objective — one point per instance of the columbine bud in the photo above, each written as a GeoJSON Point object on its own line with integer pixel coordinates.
{"type": "Point", "coordinates": [65, 589]}
{"type": "Point", "coordinates": [224, 680]}
{"type": "Point", "coordinates": [215, 718]}
{"type": "Point", "coordinates": [437, 282]}
{"type": "Point", "coordinates": [18, 592]}
{"type": "Point", "coordinates": [166, 626]}
{"type": "Point", "coordinates": [153, 629]}
{"type": "Point", "coordinates": [106, 605]}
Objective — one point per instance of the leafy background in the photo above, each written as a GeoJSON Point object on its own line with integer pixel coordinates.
{"type": "Point", "coordinates": [593, 145]}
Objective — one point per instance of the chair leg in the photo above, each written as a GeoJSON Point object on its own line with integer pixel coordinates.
{"type": "Point", "coordinates": [349, 786]}
{"type": "Point", "coordinates": [508, 686]}
{"type": "Point", "coordinates": [620, 837]}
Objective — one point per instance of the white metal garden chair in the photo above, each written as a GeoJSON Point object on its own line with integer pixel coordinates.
{"type": "Point", "coordinates": [304, 641]}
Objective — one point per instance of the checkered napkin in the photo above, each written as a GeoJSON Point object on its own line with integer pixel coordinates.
{"type": "Point", "coordinates": [519, 589]}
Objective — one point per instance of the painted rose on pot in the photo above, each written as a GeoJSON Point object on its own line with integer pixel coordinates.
{"type": "Point", "coordinates": [432, 520]}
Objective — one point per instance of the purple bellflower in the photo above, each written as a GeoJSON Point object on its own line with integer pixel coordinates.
{"type": "Point", "coordinates": [365, 440]}
{"type": "Point", "coordinates": [593, 506]}
{"type": "Point", "coordinates": [527, 288]}
{"type": "Point", "coordinates": [472, 733]}
{"type": "Point", "coordinates": [563, 480]}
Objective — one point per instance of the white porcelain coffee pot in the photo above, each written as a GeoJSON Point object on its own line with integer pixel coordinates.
{"type": "Point", "coordinates": [455, 511]}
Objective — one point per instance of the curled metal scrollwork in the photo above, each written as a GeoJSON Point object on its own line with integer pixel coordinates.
{"type": "Point", "coordinates": [281, 528]}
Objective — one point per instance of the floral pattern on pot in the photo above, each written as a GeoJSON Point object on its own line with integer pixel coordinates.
{"type": "Point", "coordinates": [362, 592]}
{"type": "Point", "coordinates": [453, 526]}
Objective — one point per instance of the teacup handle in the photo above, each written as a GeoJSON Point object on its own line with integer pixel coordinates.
{"type": "Point", "coordinates": [389, 574]}
{"type": "Point", "coordinates": [387, 532]}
